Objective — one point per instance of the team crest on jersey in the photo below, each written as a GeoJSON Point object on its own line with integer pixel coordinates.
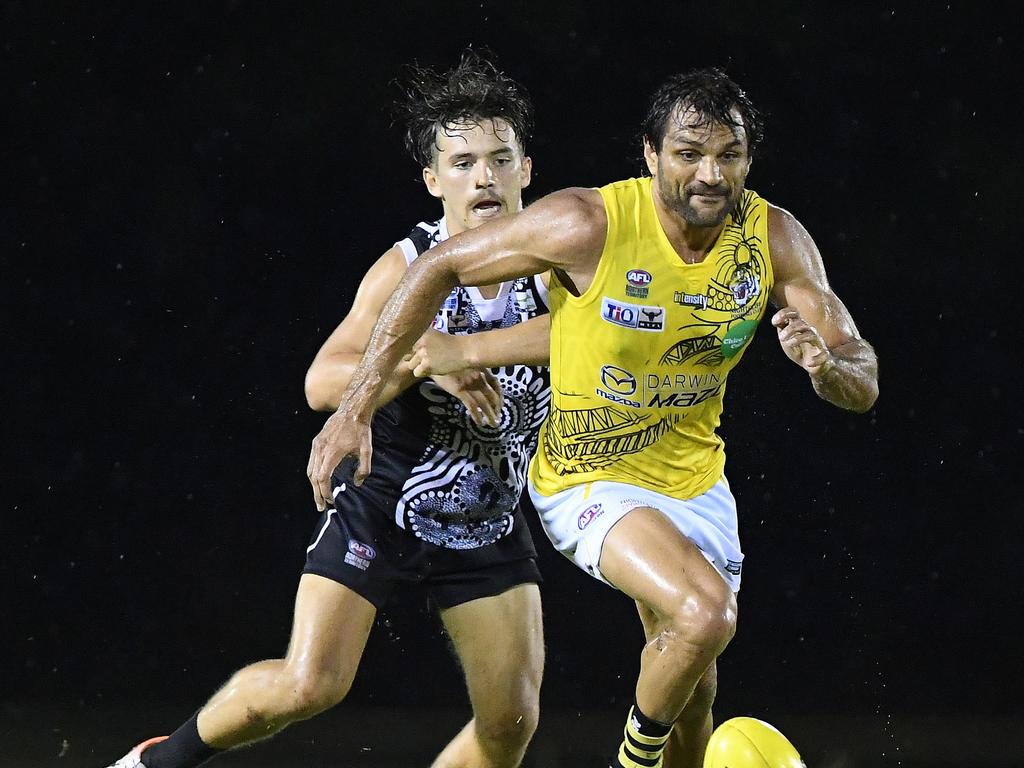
{"type": "Point", "coordinates": [635, 316]}
{"type": "Point", "coordinates": [637, 281]}
{"type": "Point", "coordinates": [744, 286]}
{"type": "Point", "coordinates": [589, 515]}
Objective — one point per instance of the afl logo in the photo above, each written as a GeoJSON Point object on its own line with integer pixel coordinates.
{"type": "Point", "coordinates": [588, 515]}
{"type": "Point", "coordinates": [638, 277]}
{"type": "Point", "coordinates": [364, 551]}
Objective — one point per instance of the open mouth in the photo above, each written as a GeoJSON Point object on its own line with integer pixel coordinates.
{"type": "Point", "coordinates": [487, 208]}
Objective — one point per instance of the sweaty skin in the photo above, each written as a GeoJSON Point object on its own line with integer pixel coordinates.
{"type": "Point", "coordinates": [688, 611]}
{"type": "Point", "coordinates": [334, 363]}
{"type": "Point", "coordinates": [565, 231]}
{"type": "Point", "coordinates": [478, 172]}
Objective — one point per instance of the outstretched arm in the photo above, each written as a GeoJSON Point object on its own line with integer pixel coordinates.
{"type": "Point", "coordinates": [524, 343]}
{"type": "Point", "coordinates": [336, 361]}
{"type": "Point", "coordinates": [564, 231]}
{"type": "Point", "coordinates": [815, 329]}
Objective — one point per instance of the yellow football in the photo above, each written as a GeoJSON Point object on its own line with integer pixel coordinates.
{"type": "Point", "coordinates": [745, 742]}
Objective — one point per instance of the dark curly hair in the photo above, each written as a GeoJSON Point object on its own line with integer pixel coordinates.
{"type": "Point", "coordinates": [712, 95]}
{"type": "Point", "coordinates": [472, 91]}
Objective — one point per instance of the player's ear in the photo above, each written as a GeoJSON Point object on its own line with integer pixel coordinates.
{"type": "Point", "coordinates": [526, 173]}
{"type": "Point", "coordinates": [651, 157]}
{"type": "Point", "coordinates": [433, 185]}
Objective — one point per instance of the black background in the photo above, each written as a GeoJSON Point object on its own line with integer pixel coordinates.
{"type": "Point", "coordinates": [192, 196]}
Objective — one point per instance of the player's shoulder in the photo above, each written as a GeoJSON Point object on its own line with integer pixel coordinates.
{"type": "Point", "coordinates": [793, 251]}
{"type": "Point", "coordinates": [424, 236]}
{"type": "Point", "coordinates": [577, 204]}
{"type": "Point", "coordinates": [387, 270]}
{"type": "Point", "coordinates": [571, 223]}
{"type": "Point", "coordinates": [782, 223]}
{"type": "Point", "coordinates": [426, 232]}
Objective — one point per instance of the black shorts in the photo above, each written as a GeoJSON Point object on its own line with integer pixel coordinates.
{"type": "Point", "coordinates": [359, 544]}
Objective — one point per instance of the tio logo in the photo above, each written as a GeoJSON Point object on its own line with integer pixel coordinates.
{"type": "Point", "coordinates": [620, 315]}
{"type": "Point", "coordinates": [629, 315]}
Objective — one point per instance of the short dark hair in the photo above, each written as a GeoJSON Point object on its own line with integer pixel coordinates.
{"type": "Point", "coordinates": [712, 95]}
{"type": "Point", "coordinates": [472, 91]}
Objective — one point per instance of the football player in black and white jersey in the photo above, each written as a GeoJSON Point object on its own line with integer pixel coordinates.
{"type": "Point", "coordinates": [441, 504]}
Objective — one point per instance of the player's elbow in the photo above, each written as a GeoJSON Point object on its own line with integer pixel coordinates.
{"type": "Point", "coordinates": [858, 398]}
{"type": "Point", "coordinates": [868, 397]}
{"type": "Point", "coordinates": [318, 394]}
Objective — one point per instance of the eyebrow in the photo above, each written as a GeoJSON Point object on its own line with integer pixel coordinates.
{"type": "Point", "coordinates": [465, 155]}
{"type": "Point", "coordinates": [679, 140]}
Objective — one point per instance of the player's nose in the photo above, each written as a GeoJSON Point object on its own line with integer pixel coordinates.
{"type": "Point", "coordinates": [709, 172]}
{"type": "Point", "coordinates": [484, 175]}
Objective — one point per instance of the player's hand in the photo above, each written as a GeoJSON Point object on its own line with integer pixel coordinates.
{"type": "Point", "coordinates": [801, 342]}
{"type": "Point", "coordinates": [436, 353]}
{"type": "Point", "coordinates": [479, 391]}
{"type": "Point", "coordinates": [344, 434]}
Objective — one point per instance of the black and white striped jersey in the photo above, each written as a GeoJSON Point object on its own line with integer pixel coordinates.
{"type": "Point", "coordinates": [457, 485]}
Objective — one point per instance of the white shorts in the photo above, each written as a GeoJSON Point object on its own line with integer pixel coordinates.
{"type": "Point", "coordinates": [578, 519]}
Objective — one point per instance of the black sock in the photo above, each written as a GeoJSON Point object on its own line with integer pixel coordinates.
{"type": "Point", "coordinates": [184, 748]}
{"type": "Point", "coordinates": [643, 741]}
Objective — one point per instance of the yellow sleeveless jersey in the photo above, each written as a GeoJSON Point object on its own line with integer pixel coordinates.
{"type": "Point", "coordinates": [639, 361]}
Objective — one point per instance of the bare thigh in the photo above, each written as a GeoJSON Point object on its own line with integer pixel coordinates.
{"type": "Point", "coordinates": [650, 560]}
{"type": "Point", "coordinates": [330, 628]}
{"type": "Point", "coordinates": [500, 644]}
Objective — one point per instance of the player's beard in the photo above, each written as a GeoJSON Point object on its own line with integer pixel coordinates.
{"type": "Point", "coordinates": [681, 203]}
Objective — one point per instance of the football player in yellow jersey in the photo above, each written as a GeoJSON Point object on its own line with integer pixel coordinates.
{"type": "Point", "coordinates": [632, 511]}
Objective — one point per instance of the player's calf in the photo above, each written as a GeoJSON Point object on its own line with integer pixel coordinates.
{"type": "Point", "coordinates": [261, 700]}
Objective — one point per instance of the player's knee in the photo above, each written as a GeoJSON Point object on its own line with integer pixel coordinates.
{"type": "Point", "coordinates": [707, 620]}
{"type": "Point", "coordinates": [507, 735]}
{"type": "Point", "coordinates": [510, 727]}
{"type": "Point", "coordinates": [309, 693]}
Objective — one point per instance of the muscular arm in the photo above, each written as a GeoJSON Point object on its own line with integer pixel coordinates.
{"type": "Point", "coordinates": [565, 230]}
{"type": "Point", "coordinates": [524, 343]}
{"type": "Point", "coordinates": [333, 366]}
{"type": "Point", "coordinates": [815, 328]}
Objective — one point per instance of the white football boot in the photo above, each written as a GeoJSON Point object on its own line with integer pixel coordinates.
{"type": "Point", "coordinates": [134, 758]}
